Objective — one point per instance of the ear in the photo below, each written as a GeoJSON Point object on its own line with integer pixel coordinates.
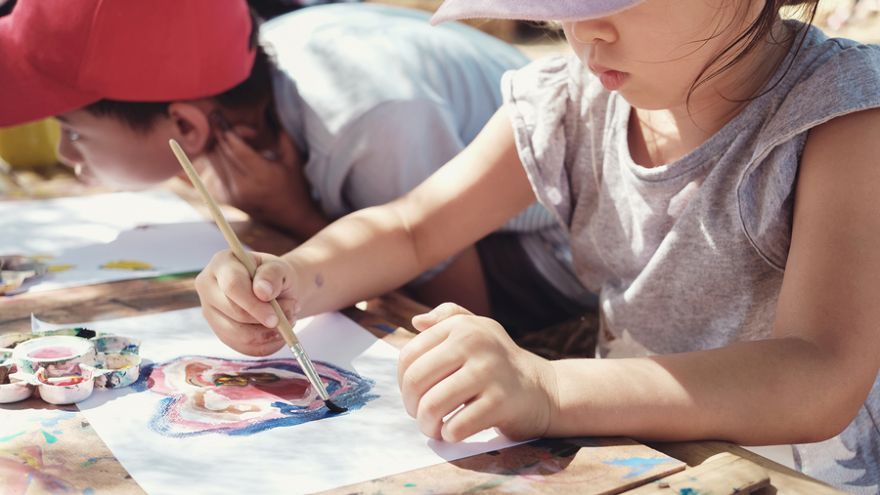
{"type": "Point", "coordinates": [191, 127]}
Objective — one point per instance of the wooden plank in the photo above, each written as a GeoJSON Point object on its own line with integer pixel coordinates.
{"type": "Point", "coordinates": [58, 451]}
{"type": "Point", "coordinates": [782, 478]}
{"type": "Point", "coordinates": [131, 297]}
{"type": "Point", "coordinates": [579, 466]}
{"type": "Point", "coordinates": [724, 474]}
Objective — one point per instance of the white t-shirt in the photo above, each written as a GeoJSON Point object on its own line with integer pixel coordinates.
{"type": "Point", "coordinates": [378, 99]}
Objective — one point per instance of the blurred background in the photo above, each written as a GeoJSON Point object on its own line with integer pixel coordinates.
{"type": "Point", "coordinates": [27, 153]}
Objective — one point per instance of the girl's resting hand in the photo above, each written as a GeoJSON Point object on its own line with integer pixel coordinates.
{"type": "Point", "coordinates": [459, 358]}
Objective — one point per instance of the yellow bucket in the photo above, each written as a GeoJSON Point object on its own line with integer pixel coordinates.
{"type": "Point", "coordinates": [30, 145]}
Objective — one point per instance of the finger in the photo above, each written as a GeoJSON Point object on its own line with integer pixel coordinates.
{"type": "Point", "coordinates": [211, 295]}
{"type": "Point", "coordinates": [432, 367]}
{"type": "Point", "coordinates": [442, 312]}
{"type": "Point", "coordinates": [231, 161]}
{"type": "Point", "coordinates": [272, 278]}
{"type": "Point", "coordinates": [419, 345]}
{"type": "Point", "coordinates": [476, 416]}
{"type": "Point", "coordinates": [239, 150]}
{"type": "Point", "coordinates": [235, 283]}
{"type": "Point", "coordinates": [232, 311]}
{"type": "Point", "coordinates": [286, 150]}
{"type": "Point", "coordinates": [275, 279]}
{"type": "Point", "coordinates": [244, 131]}
{"type": "Point", "coordinates": [444, 399]}
{"type": "Point", "coordinates": [223, 173]}
{"type": "Point", "coordinates": [253, 340]}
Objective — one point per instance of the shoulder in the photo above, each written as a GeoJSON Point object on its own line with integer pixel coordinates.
{"type": "Point", "coordinates": [558, 77]}
{"type": "Point", "coordinates": [847, 144]}
{"type": "Point", "coordinates": [826, 78]}
{"type": "Point", "coordinates": [552, 95]}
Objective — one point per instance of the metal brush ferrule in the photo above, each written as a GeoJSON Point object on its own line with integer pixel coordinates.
{"type": "Point", "coordinates": [309, 369]}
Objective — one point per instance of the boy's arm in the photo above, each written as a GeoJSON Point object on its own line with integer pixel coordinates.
{"type": "Point", "coordinates": [808, 381]}
{"type": "Point", "coordinates": [275, 192]}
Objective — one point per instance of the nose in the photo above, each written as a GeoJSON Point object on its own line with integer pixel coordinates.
{"type": "Point", "coordinates": [593, 31]}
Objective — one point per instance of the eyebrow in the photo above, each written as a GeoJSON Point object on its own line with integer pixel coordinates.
{"type": "Point", "coordinates": [62, 119]}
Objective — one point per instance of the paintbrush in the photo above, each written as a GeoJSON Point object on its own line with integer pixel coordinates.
{"type": "Point", "coordinates": [284, 326]}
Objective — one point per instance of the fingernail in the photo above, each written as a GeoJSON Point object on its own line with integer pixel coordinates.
{"type": "Point", "coordinates": [263, 288]}
{"type": "Point", "coordinates": [271, 321]}
{"type": "Point", "coordinates": [422, 321]}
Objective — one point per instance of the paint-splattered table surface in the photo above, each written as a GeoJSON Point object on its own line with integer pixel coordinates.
{"type": "Point", "coordinates": [49, 449]}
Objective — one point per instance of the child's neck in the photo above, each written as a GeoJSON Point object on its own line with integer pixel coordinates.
{"type": "Point", "coordinates": [660, 137]}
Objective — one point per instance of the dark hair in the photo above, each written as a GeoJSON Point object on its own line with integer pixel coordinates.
{"type": "Point", "coordinates": [141, 116]}
{"type": "Point", "coordinates": [6, 7]}
{"type": "Point", "coordinates": [267, 9]}
{"type": "Point", "coordinates": [759, 30]}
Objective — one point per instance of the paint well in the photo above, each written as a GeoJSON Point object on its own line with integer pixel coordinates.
{"type": "Point", "coordinates": [57, 352]}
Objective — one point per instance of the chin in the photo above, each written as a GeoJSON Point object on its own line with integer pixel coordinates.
{"type": "Point", "coordinates": [643, 103]}
{"type": "Point", "coordinates": [131, 184]}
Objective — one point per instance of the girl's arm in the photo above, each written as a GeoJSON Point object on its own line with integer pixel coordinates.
{"type": "Point", "coordinates": [379, 249]}
{"type": "Point", "coordinates": [804, 384]}
{"type": "Point", "coordinates": [808, 381]}
{"type": "Point", "coordinates": [373, 250]}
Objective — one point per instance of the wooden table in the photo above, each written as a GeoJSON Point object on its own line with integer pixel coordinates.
{"type": "Point", "coordinates": [85, 465]}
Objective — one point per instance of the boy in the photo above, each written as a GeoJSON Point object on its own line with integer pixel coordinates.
{"type": "Point", "coordinates": [359, 105]}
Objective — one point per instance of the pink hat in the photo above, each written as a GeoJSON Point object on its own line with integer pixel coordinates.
{"type": "Point", "coordinates": [59, 55]}
{"type": "Point", "coordinates": [529, 10]}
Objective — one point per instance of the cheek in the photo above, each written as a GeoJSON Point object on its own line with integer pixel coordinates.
{"type": "Point", "coordinates": [136, 167]}
{"type": "Point", "coordinates": [582, 50]}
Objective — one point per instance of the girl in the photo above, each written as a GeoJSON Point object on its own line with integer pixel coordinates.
{"type": "Point", "coordinates": [716, 168]}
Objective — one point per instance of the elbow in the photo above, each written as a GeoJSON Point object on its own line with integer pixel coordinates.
{"type": "Point", "coordinates": [823, 427]}
{"type": "Point", "coordinates": [831, 415]}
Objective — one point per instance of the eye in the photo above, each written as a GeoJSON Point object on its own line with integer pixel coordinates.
{"type": "Point", "coordinates": [72, 135]}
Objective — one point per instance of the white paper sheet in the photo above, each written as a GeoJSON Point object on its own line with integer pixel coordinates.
{"type": "Point", "coordinates": [376, 440]}
{"type": "Point", "coordinates": [154, 227]}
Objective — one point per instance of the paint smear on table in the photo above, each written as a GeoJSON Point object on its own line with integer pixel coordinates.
{"type": "Point", "coordinates": [44, 451]}
{"type": "Point", "coordinates": [127, 265]}
{"type": "Point", "coordinates": [107, 237]}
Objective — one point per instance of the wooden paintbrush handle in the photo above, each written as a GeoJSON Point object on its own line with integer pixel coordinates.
{"type": "Point", "coordinates": [235, 245]}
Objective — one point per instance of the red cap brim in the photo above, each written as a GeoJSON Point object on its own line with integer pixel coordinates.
{"type": "Point", "coordinates": [25, 93]}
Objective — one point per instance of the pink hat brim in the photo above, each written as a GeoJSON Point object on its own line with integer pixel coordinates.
{"type": "Point", "coordinates": [529, 10]}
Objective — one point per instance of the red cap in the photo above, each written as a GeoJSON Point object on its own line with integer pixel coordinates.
{"type": "Point", "coordinates": [60, 55]}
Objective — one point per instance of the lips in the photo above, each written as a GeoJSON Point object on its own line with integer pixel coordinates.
{"type": "Point", "coordinates": [611, 79]}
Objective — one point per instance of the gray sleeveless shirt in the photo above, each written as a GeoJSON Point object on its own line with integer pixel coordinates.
{"type": "Point", "coordinates": [690, 255]}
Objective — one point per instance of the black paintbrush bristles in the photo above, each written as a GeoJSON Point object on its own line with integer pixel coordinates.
{"type": "Point", "coordinates": [334, 408]}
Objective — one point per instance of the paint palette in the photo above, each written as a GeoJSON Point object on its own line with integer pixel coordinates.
{"type": "Point", "coordinates": [9, 341]}
{"type": "Point", "coordinates": [66, 389]}
{"type": "Point", "coordinates": [57, 355]}
{"type": "Point", "coordinates": [11, 388]}
{"type": "Point", "coordinates": [15, 270]}
{"type": "Point", "coordinates": [65, 365]}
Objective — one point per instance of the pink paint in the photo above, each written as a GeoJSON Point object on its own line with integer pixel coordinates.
{"type": "Point", "coordinates": [52, 353]}
{"type": "Point", "coordinates": [25, 472]}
